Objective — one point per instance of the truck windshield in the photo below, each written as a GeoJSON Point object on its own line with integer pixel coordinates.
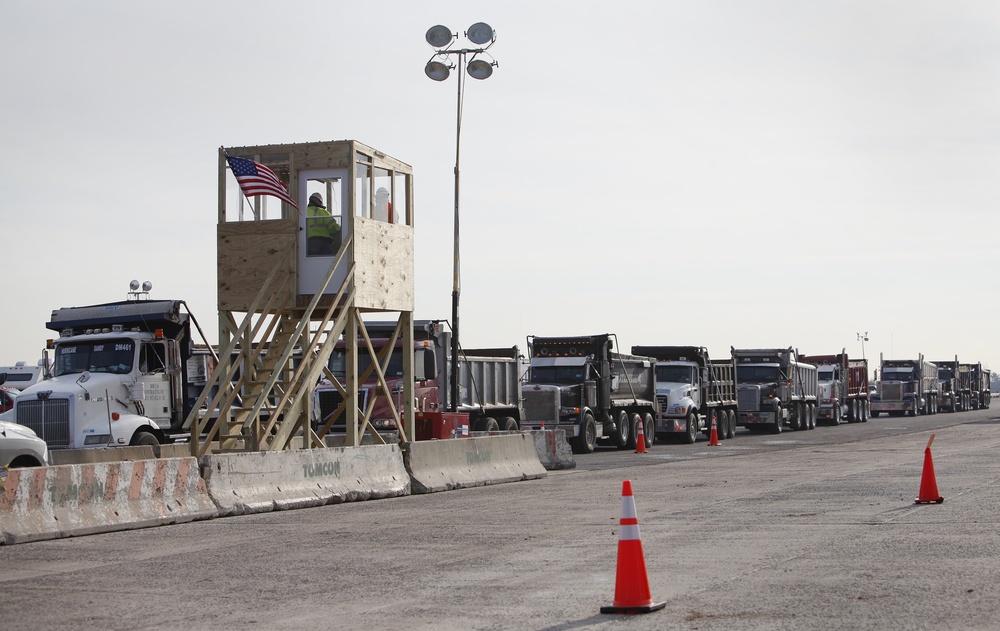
{"type": "Point", "coordinates": [897, 375]}
{"type": "Point", "coordinates": [825, 375]}
{"type": "Point", "coordinates": [114, 356]}
{"type": "Point", "coordinates": [674, 374]}
{"type": "Point", "coordinates": [758, 374]}
{"type": "Point", "coordinates": [338, 364]}
{"type": "Point", "coordinates": [558, 374]}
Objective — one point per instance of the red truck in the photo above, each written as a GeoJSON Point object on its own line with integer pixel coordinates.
{"type": "Point", "coordinates": [843, 388]}
{"type": "Point", "coordinates": [489, 393]}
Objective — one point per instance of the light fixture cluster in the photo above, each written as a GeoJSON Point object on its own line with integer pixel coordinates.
{"type": "Point", "coordinates": [441, 39]}
{"type": "Point", "coordinates": [135, 293]}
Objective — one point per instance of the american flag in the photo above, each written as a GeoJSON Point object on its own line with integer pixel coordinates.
{"type": "Point", "coordinates": [256, 179]}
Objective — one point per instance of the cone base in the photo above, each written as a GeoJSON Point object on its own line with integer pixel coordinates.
{"type": "Point", "coordinates": [635, 609]}
{"type": "Point", "coordinates": [939, 500]}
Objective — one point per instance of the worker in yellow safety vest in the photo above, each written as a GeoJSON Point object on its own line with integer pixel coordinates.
{"type": "Point", "coordinates": [322, 230]}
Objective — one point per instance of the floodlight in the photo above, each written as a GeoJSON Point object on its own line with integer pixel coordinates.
{"type": "Point", "coordinates": [439, 36]}
{"type": "Point", "coordinates": [480, 69]}
{"type": "Point", "coordinates": [480, 33]}
{"type": "Point", "coordinates": [436, 70]}
{"type": "Point", "coordinates": [134, 285]}
{"type": "Point", "coordinates": [146, 286]}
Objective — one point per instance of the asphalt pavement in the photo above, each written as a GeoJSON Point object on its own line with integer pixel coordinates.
{"type": "Point", "coordinates": [806, 530]}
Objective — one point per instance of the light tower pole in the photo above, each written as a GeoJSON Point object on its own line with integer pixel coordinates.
{"type": "Point", "coordinates": [438, 68]}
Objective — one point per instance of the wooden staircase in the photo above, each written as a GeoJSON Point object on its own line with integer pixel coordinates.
{"type": "Point", "coordinates": [267, 369]}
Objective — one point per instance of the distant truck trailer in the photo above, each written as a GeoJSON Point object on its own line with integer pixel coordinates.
{"type": "Point", "coordinates": [579, 384]}
{"type": "Point", "coordinates": [843, 388]}
{"type": "Point", "coordinates": [906, 386]}
{"type": "Point", "coordinates": [775, 388]}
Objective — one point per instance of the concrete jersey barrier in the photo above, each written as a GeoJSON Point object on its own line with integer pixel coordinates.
{"type": "Point", "coordinates": [41, 503]}
{"type": "Point", "coordinates": [553, 450]}
{"type": "Point", "coordinates": [442, 465]}
{"type": "Point", "coordinates": [258, 482]}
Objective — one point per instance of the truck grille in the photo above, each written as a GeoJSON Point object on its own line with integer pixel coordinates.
{"type": "Point", "coordinates": [892, 391]}
{"type": "Point", "coordinates": [541, 405]}
{"type": "Point", "coordinates": [49, 418]}
{"type": "Point", "coordinates": [748, 399]}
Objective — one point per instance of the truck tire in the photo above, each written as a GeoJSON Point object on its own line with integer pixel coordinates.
{"type": "Point", "coordinates": [730, 424]}
{"type": "Point", "coordinates": [795, 423]}
{"type": "Point", "coordinates": [633, 430]}
{"type": "Point", "coordinates": [586, 442]}
{"type": "Point", "coordinates": [649, 429]}
{"type": "Point", "coordinates": [775, 427]}
{"type": "Point", "coordinates": [835, 414]}
{"type": "Point", "coordinates": [874, 413]}
{"type": "Point", "coordinates": [508, 424]}
{"type": "Point", "coordinates": [146, 438]}
{"type": "Point", "coordinates": [691, 435]}
{"type": "Point", "coordinates": [812, 415]}
{"type": "Point", "coordinates": [623, 431]}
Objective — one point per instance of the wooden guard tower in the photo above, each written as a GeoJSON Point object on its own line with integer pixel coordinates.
{"type": "Point", "coordinates": [292, 283]}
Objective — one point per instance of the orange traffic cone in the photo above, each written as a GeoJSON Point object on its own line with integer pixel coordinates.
{"type": "Point", "coordinates": [713, 438]}
{"type": "Point", "coordinates": [928, 482]}
{"type": "Point", "coordinates": [631, 582]}
{"type": "Point", "coordinates": [640, 439]}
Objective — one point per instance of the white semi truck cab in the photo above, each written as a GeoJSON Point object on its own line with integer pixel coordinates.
{"type": "Point", "coordinates": [119, 376]}
{"type": "Point", "coordinates": [692, 390]}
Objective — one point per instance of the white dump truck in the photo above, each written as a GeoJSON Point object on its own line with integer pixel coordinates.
{"type": "Point", "coordinates": [119, 376]}
{"type": "Point", "coordinates": [692, 390]}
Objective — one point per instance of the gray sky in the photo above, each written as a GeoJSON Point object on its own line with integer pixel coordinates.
{"type": "Point", "coordinates": [722, 173]}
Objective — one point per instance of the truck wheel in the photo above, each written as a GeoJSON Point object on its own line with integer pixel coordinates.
{"type": "Point", "coordinates": [812, 415]}
{"type": "Point", "coordinates": [835, 414]}
{"type": "Point", "coordinates": [865, 412]}
{"type": "Point", "coordinates": [146, 438]}
{"type": "Point", "coordinates": [508, 424]}
{"type": "Point", "coordinates": [633, 430]}
{"type": "Point", "coordinates": [852, 416]}
{"type": "Point", "coordinates": [586, 442]}
{"type": "Point", "coordinates": [649, 429]}
{"type": "Point", "coordinates": [490, 424]}
{"type": "Point", "coordinates": [775, 428]}
{"type": "Point", "coordinates": [796, 422]}
{"type": "Point", "coordinates": [691, 436]}
{"type": "Point", "coordinates": [623, 433]}
{"type": "Point", "coordinates": [874, 413]}
{"type": "Point", "coordinates": [730, 424]}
